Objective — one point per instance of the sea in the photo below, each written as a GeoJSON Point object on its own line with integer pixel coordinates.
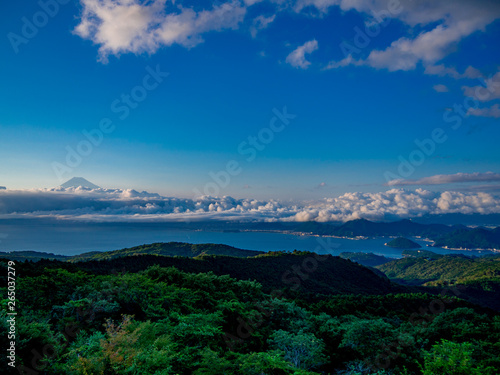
{"type": "Point", "coordinates": [78, 238]}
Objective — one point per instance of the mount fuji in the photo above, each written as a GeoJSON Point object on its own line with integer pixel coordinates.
{"type": "Point", "coordinates": [79, 181]}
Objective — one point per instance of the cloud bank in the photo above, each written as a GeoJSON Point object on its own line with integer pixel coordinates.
{"type": "Point", "coordinates": [448, 179]}
{"type": "Point", "coordinates": [130, 205]}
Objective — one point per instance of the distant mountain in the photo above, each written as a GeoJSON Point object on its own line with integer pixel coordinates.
{"type": "Point", "coordinates": [363, 227]}
{"type": "Point", "coordinates": [403, 243]}
{"type": "Point", "coordinates": [456, 236]}
{"type": "Point", "coordinates": [315, 227]}
{"type": "Point", "coordinates": [79, 181]}
{"type": "Point", "coordinates": [477, 238]}
{"type": "Point", "coordinates": [34, 256]}
{"type": "Point", "coordinates": [462, 219]}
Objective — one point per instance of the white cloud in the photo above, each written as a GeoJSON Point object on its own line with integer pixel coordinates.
{"type": "Point", "coordinates": [297, 57]}
{"type": "Point", "coordinates": [427, 48]}
{"type": "Point", "coordinates": [130, 205]}
{"type": "Point", "coordinates": [121, 26]}
{"type": "Point", "coordinates": [453, 22]}
{"type": "Point", "coordinates": [489, 91]}
{"type": "Point", "coordinates": [440, 88]}
{"type": "Point", "coordinates": [448, 179]}
{"type": "Point", "coordinates": [493, 111]}
{"type": "Point", "coordinates": [136, 26]}
{"type": "Point", "coordinates": [260, 23]}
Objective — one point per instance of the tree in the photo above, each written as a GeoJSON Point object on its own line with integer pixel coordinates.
{"type": "Point", "coordinates": [303, 350]}
{"type": "Point", "coordinates": [450, 358]}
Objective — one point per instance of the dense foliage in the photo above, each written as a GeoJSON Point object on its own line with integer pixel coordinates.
{"type": "Point", "coordinates": [447, 268]}
{"type": "Point", "coordinates": [478, 278]}
{"type": "Point", "coordinates": [87, 318]}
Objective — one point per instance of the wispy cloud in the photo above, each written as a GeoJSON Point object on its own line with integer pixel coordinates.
{"type": "Point", "coordinates": [448, 179]}
{"type": "Point", "coordinates": [349, 60]}
{"type": "Point", "coordinates": [441, 70]}
{"type": "Point", "coordinates": [440, 88]}
{"type": "Point", "coordinates": [493, 111]}
{"type": "Point", "coordinates": [297, 58]}
{"type": "Point", "coordinates": [490, 90]}
{"type": "Point", "coordinates": [484, 188]}
{"type": "Point", "coordinates": [260, 23]}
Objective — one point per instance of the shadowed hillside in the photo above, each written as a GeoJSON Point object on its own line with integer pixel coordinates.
{"type": "Point", "coordinates": [478, 278]}
{"type": "Point", "coordinates": [308, 272]}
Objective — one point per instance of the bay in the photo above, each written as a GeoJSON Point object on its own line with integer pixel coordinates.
{"type": "Point", "coordinates": [77, 238]}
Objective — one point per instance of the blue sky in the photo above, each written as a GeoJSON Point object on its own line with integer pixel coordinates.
{"type": "Point", "coordinates": [229, 66]}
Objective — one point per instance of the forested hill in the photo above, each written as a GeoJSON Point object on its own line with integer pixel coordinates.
{"type": "Point", "coordinates": [456, 236]}
{"type": "Point", "coordinates": [127, 316]}
{"type": "Point", "coordinates": [477, 278]}
{"type": "Point", "coordinates": [403, 243]}
{"type": "Point", "coordinates": [309, 272]}
{"type": "Point", "coordinates": [169, 249]}
{"type": "Point", "coordinates": [451, 268]}
{"type": "Point", "coordinates": [477, 238]}
{"type": "Point", "coordinates": [366, 259]}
